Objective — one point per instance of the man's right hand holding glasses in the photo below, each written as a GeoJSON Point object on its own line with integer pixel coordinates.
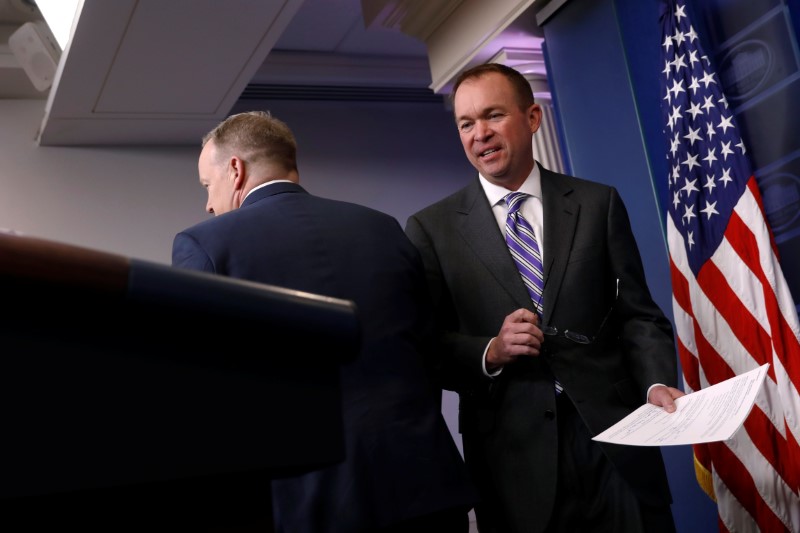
{"type": "Point", "coordinates": [519, 336]}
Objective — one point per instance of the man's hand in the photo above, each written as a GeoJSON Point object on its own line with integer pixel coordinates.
{"type": "Point", "coordinates": [519, 336]}
{"type": "Point", "coordinates": [664, 396]}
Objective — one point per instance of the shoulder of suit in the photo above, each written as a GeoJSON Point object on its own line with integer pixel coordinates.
{"type": "Point", "coordinates": [579, 184]}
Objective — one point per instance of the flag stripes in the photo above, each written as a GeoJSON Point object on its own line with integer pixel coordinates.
{"type": "Point", "coordinates": [741, 320]}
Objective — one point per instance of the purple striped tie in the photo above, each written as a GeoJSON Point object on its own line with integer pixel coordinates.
{"type": "Point", "coordinates": [525, 250]}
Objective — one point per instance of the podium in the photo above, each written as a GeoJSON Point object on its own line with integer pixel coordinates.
{"type": "Point", "coordinates": [138, 396]}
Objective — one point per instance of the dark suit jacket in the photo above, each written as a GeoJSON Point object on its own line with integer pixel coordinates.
{"type": "Point", "coordinates": [507, 424]}
{"type": "Point", "coordinates": [401, 459]}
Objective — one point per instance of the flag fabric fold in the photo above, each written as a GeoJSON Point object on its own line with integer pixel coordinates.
{"type": "Point", "coordinates": [732, 307]}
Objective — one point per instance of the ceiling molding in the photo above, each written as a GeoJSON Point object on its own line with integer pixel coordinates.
{"type": "Point", "coordinates": [457, 33]}
{"type": "Point", "coordinates": [470, 36]}
{"type": "Point", "coordinates": [341, 93]}
{"type": "Point", "coordinates": [525, 60]}
{"type": "Point", "coordinates": [331, 69]}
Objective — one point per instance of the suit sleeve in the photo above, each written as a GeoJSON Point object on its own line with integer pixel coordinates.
{"type": "Point", "coordinates": [646, 333]}
{"type": "Point", "coordinates": [187, 253]}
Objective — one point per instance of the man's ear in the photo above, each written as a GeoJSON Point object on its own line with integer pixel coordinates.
{"type": "Point", "coordinates": [535, 117]}
{"type": "Point", "coordinates": [236, 168]}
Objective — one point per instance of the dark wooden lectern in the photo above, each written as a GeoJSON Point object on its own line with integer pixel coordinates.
{"type": "Point", "coordinates": [137, 396]}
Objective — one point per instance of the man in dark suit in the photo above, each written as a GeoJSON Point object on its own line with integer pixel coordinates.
{"type": "Point", "coordinates": [403, 470]}
{"type": "Point", "coordinates": [592, 330]}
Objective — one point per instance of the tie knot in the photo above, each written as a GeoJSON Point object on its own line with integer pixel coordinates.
{"type": "Point", "coordinates": [514, 201]}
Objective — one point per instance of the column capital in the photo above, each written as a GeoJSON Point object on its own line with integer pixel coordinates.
{"type": "Point", "coordinates": [530, 63]}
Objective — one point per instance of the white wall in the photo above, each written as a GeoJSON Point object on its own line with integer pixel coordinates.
{"type": "Point", "coordinates": [393, 157]}
{"type": "Point", "coordinates": [129, 201]}
{"type": "Point", "coordinates": [132, 200]}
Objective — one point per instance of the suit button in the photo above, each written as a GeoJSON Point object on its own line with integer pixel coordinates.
{"type": "Point", "coordinates": [549, 414]}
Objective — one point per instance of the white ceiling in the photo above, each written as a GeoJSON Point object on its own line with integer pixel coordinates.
{"type": "Point", "coordinates": [163, 72]}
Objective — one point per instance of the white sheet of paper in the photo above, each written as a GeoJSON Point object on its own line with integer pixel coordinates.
{"type": "Point", "coordinates": [708, 415]}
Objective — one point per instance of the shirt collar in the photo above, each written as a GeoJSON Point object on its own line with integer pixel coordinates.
{"type": "Point", "coordinates": [264, 185]}
{"type": "Point", "coordinates": [495, 193]}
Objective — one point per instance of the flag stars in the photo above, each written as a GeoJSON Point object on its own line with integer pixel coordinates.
{"type": "Point", "coordinates": [707, 78]}
{"type": "Point", "coordinates": [694, 109]}
{"type": "Point", "coordinates": [692, 136]}
{"type": "Point", "coordinates": [691, 162]}
{"type": "Point", "coordinates": [710, 131]}
{"type": "Point", "coordinates": [688, 214]}
{"type": "Point", "coordinates": [701, 136]}
{"type": "Point", "coordinates": [725, 123]}
{"type": "Point", "coordinates": [676, 173]}
{"type": "Point", "coordinates": [711, 157]}
{"type": "Point", "coordinates": [726, 150]}
{"type": "Point", "coordinates": [680, 12]}
{"type": "Point", "coordinates": [679, 62]}
{"type": "Point", "coordinates": [710, 209]}
{"type": "Point", "coordinates": [726, 177]}
{"type": "Point", "coordinates": [709, 184]}
{"type": "Point", "coordinates": [693, 57]}
{"type": "Point", "coordinates": [677, 87]}
{"type": "Point", "coordinates": [689, 187]}
{"type": "Point", "coordinates": [675, 144]}
{"type": "Point", "coordinates": [674, 117]}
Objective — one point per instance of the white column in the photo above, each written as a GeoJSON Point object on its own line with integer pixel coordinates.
{"type": "Point", "coordinates": [546, 147]}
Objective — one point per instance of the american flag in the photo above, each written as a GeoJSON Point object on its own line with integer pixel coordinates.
{"type": "Point", "coordinates": [732, 307]}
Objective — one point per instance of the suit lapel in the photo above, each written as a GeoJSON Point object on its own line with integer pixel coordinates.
{"type": "Point", "coordinates": [479, 230]}
{"type": "Point", "coordinates": [560, 219]}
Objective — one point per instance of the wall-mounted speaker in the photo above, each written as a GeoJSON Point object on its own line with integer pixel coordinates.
{"type": "Point", "coordinates": [36, 50]}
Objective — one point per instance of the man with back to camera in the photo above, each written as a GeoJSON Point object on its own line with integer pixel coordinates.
{"type": "Point", "coordinates": [402, 471]}
{"type": "Point", "coordinates": [544, 363]}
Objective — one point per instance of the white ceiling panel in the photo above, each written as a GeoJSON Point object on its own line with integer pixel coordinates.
{"type": "Point", "coordinates": [190, 72]}
{"type": "Point", "coordinates": [170, 68]}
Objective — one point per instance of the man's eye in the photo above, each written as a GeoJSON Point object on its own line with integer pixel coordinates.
{"type": "Point", "coordinates": [465, 126]}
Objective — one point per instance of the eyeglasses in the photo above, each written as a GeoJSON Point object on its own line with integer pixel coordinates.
{"type": "Point", "coordinates": [574, 336]}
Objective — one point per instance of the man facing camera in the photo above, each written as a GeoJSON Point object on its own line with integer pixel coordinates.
{"type": "Point", "coordinates": [547, 328]}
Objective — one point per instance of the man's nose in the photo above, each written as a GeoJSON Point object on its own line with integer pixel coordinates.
{"type": "Point", "coordinates": [482, 130]}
